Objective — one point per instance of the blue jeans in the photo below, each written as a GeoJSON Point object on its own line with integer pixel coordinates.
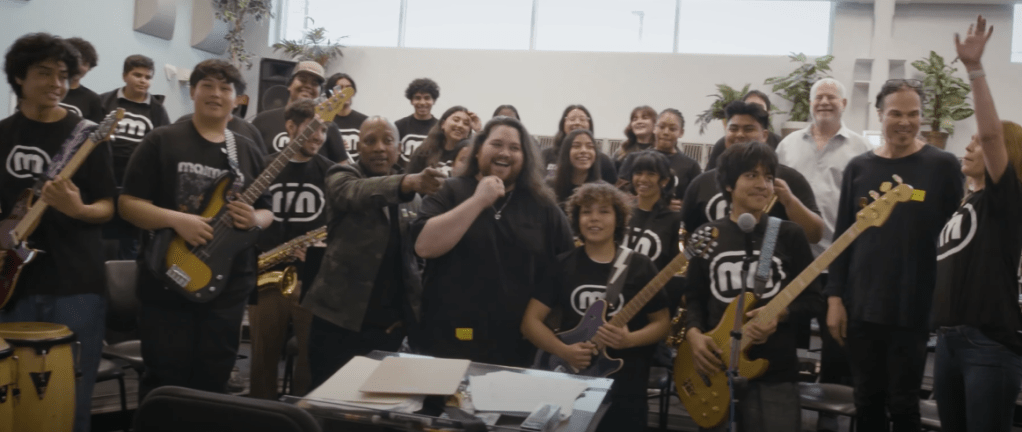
{"type": "Point", "coordinates": [976, 381]}
{"type": "Point", "coordinates": [83, 314]}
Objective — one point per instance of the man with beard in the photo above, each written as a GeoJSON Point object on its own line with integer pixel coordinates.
{"type": "Point", "coordinates": [487, 236]}
{"type": "Point", "coordinates": [306, 83]}
{"type": "Point", "coordinates": [297, 201]}
{"type": "Point", "coordinates": [366, 295]}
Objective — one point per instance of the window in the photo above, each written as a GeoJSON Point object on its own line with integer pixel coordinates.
{"type": "Point", "coordinates": [606, 25]}
{"type": "Point", "coordinates": [754, 27]}
{"type": "Point", "coordinates": [470, 24]}
{"type": "Point", "coordinates": [364, 23]}
{"type": "Point", "coordinates": [1016, 36]}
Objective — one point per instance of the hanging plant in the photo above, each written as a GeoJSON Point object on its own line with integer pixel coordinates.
{"type": "Point", "coordinates": [234, 13]}
{"type": "Point", "coordinates": [313, 46]}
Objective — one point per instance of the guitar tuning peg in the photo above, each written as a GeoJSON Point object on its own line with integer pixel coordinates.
{"type": "Point", "coordinates": [897, 178]}
{"type": "Point", "coordinates": [886, 186]}
{"type": "Point", "coordinates": [863, 202]}
{"type": "Point", "coordinates": [874, 194]}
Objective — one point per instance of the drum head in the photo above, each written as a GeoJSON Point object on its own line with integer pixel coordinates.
{"type": "Point", "coordinates": [31, 333]}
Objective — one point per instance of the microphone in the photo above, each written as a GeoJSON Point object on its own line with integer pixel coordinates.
{"type": "Point", "coordinates": [747, 222]}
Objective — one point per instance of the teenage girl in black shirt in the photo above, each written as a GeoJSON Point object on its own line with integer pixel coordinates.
{"type": "Point", "coordinates": [639, 133]}
{"type": "Point", "coordinates": [576, 117]}
{"type": "Point", "coordinates": [577, 164]}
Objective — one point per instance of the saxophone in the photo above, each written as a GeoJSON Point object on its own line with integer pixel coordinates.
{"type": "Point", "coordinates": [285, 280]}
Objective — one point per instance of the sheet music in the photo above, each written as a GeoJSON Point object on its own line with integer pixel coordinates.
{"type": "Point", "coordinates": [510, 392]}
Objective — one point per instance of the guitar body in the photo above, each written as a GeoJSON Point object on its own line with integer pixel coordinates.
{"type": "Point", "coordinates": [13, 254]}
{"type": "Point", "coordinates": [201, 273]}
{"type": "Point", "coordinates": [707, 398]}
{"type": "Point", "coordinates": [600, 365]}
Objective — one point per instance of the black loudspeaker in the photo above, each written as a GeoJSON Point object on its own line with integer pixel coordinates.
{"type": "Point", "coordinates": [273, 73]}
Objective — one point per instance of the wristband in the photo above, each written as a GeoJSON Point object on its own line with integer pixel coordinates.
{"type": "Point", "coordinates": [976, 74]}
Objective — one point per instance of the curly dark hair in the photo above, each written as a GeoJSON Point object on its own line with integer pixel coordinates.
{"type": "Point", "coordinates": [219, 69]}
{"type": "Point", "coordinates": [632, 140]}
{"type": "Point", "coordinates": [300, 110]}
{"type": "Point", "coordinates": [742, 158]}
{"type": "Point", "coordinates": [531, 175]}
{"type": "Point", "coordinates": [565, 171]}
{"type": "Point", "coordinates": [88, 52]}
{"type": "Point", "coordinates": [422, 85]}
{"type": "Point", "coordinates": [594, 193]}
{"type": "Point", "coordinates": [34, 48]}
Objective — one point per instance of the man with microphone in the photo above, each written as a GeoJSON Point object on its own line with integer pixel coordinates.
{"type": "Point", "coordinates": [745, 175]}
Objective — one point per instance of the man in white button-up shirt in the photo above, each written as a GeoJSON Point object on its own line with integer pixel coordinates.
{"type": "Point", "coordinates": [820, 153]}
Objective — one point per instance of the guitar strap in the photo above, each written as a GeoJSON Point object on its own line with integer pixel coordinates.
{"type": "Point", "coordinates": [618, 275]}
{"type": "Point", "coordinates": [232, 160]}
{"type": "Point", "coordinates": [766, 255]}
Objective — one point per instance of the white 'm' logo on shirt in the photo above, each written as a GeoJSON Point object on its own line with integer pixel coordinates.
{"type": "Point", "coordinates": [410, 143]}
{"type": "Point", "coordinates": [26, 162]}
{"type": "Point", "coordinates": [199, 169]}
{"type": "Point", "coordinates": [584, 296]}
{"type": "Point", "coordinates": [72, 108]}
{"type": "Point", "coordinates": [280, 141]}
{"type": "Point", "coordinates": [958, 232]}
{"type": "Point", "coordinates": [717, 207]}
{"type": "Point", "coordinates": [350, 138]}
{"type": "Point", "coordinates": [645, 242]}
{"type": "Point", "coordinates": [302, 201]}
{"type": "Point", "coordinates": [133, 127]}
{"type": "Point", "coordinates": [726, 275]}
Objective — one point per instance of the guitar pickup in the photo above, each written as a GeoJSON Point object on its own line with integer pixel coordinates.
{"type": "Point", "coordinates": [178, 275]}
{"type": "Point", "coordinates": [687, 387]}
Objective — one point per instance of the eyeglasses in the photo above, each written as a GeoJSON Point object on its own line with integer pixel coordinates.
{"type": "Point", "coordinates": [914, 83]}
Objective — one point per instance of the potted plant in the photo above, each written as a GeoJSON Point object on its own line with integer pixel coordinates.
{"type": "Point", "coordinates": [946, 97]}
{"type": "Point", "coordinates": [234, 13]}
{"type": "Point", "coordinates": [725, 95]}
{"type": "Point", "coordinates": [314, 45]}
{"type": "Point", "coordinates": [795, 87]}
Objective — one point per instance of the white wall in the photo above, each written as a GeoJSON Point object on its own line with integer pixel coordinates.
{"type": "Point", "coordinates": [541, 84]}
{"type": "Point", "coordinates": [107, 24]}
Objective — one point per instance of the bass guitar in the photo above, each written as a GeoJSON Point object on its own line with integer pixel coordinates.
{"type": "Point", "coordinates": [15, 252]}
{"type": "Point", "coordinates": [707, 398]}
{"type": "Point", "coordinates": [701, 243]}
{"type": "Point", "coordinates": [201, 272]}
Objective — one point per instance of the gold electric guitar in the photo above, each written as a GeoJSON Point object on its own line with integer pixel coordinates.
{"type": "Point", "coordinates": [707, 398]}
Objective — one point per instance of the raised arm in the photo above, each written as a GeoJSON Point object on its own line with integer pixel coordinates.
{"type": "Point", "coordinates": [990, 131]}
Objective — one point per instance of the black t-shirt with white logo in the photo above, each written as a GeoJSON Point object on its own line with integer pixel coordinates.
{"type": "Point", "coordinates": [685, 170]}
{"type": "Point", "coordinates": [139, 120]}
{"type": "Point", "coordinates": [297, 200]}
{"type": "Point", "coordinates": [412, 132]}
{"type": "Point", "coordinates": [84, 103]}
{"type": "Point", "coordinates": [72, 262]}
{"type": "Point", "coordinates": [704, 201]}
{"type": "Point", "coordinates": [887, 275]}
{"type": "Point", "coordinates": [239, 126]}
{"type": "Point", "coordinates": [176, 168]}
{"type": "Point", "coordinates": [350, 127]}
{"type": "Point", "coordinates": [576, 282]}
{"type": "Point", "coordinates": [716, 280]}
{"type": "Point", "coordinates": [271, 127]}
{"type": "Point", "coordinates": [977, 258]}
{"type": "Point", "coordinates": [655, 234]}
{"type": "Point", "coordinates": [608, 172]}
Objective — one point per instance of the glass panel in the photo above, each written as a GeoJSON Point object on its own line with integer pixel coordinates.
{"type": "Point", "coordinates": [469, 24]}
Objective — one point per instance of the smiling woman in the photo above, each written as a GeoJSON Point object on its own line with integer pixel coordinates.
{"type": "Point", "coordinates": [445, 139]}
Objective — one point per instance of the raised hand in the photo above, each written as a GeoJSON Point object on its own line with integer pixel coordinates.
{"type": "Point", "coordinates": [426, 182]}
{"type": "Point", "coordinates": [971, 49]}
{"type": "Point", "coordinates": [489, 189]}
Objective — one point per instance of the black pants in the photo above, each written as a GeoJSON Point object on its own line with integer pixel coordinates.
{"type": "Point", "coordinates": [332, 346]}
{"type": "Point", "coordinates": [192, 345]}
{"type": "Point", "coordinates": [887, 368]}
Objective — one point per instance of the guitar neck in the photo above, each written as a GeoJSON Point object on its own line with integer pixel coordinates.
{"type": "Point", "coordinates": [32, 217]}
{"type": "Point", "coordinates": [310, 236]}
{"type": "Point", "coordinates": [262, 182]}
{"type": "Point", "coordinates": [778, 304]}
{"type": "Point", "coordinates": [633, 307]}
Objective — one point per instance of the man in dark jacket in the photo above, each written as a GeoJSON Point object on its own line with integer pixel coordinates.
{"type": "Point", "coordinates": [366, 295]}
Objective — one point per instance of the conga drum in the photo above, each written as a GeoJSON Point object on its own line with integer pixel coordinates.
{"type": "Point", "coordinates": [45, 376]}
{"type": "Point", "coordinates": [7, 370]}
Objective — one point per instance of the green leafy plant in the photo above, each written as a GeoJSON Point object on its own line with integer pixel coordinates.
{"type": "Point", "coordinates": [946, 94]}
{"type": "Point", "coordinates": [795, 86]}
{"type": "Point", "coordinates": [314, 45]}
{"type": "Point", "coordinates": [234, 13]}
{"type": "Point", "coordinates": [725, 95]}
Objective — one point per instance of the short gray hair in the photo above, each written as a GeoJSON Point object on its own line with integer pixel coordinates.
{"type": "Point", "coordinates": [390, 125]}
{"type": "Point", "coordinates": [837, 84]}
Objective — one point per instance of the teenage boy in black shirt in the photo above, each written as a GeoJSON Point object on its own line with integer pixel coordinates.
{"type": "Point", "coordinates": [348, 121]}
{"type": "Point", "coordinates": [880, 289]}
{"type": "Point", "coordinates": [305, 83]}
{"type": "Point", "coordinates": [487, 236]}
{"type": "Point", "coordinates": [705, 202]}
{"type": "Point", "coordinates": [746, 173]}
{"type": "Point", "coordinates": [185, 343]}
{"type": "Point", "coordinates": [81, 100]}
{"type": "Point", "coordinates": [754, 97]}
{"type": "Point", "coordinates": [239, 126]}
{"type": "Point", "coordinates": [579, 278]}
{"type": "Point", "coordinates": [66, 284]}
{"type": "Point", "coordinates": [143, 111]}
{"type": "Point", "coordinates": [422, 93]}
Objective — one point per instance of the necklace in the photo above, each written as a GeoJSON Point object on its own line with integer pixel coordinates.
{"type": "Point", "coordinates": [497, 215]}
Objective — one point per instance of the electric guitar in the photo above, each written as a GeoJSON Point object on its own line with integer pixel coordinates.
{"type": "Point", "coordinates": [24, 218]}
{"type": "Point", "coordinates": [701, 243]}
{"type": "Point", "coordinates": [707, 398]}
{"type": "Point", "coordinates": [201, 272]}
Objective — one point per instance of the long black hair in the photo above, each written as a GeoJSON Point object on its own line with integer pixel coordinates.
{"type": "Point", "coordinates": [434, 143]}
{"type": "Point", "coordinates": [563, 185]}
{"type": "Point", "coordinates": [531, 175]}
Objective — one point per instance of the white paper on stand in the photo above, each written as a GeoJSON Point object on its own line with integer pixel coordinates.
{"type": "Point", "coordinates": [343, 387]}
{"type": "Point", "coordinates": [510, 392]}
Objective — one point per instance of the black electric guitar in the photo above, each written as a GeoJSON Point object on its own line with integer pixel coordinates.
{"type": "Point", "coordinates": [200, 272]}
{"type": "Point", "coordinates": [701, 243]}
{"type": "Point", "coordinates": [707, 398]}
{"type": "Point", "coordinates": [24, 218]}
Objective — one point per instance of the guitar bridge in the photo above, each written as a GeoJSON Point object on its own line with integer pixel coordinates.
{"type": "Point", "coordinates": [178, 276]}
{"type": "Point", "coordinates": [687, 387]}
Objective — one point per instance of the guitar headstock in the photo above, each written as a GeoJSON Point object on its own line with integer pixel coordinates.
{"type": "Point", "coordinates": [330, 107]}
{"type": "Point", "coordinates": [702, 242]}
{"type": "Point", "coordinates": [107, 126]}
{"type": "Point", "coordinates": [879, 211]}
